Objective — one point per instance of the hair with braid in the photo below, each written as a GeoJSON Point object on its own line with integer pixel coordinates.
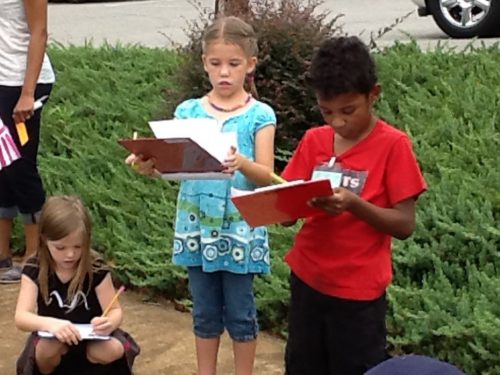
{"type": "Point", "coordinates": [235, 31]}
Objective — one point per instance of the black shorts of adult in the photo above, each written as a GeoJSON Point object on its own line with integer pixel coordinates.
{"type": "Point", "coordinates": [333, 336]}
{"type": "Point", "coordinates": [21, 188]}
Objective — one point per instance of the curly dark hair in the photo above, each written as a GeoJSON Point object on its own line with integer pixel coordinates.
{"type": "Point", "coordinates": [342, 65]}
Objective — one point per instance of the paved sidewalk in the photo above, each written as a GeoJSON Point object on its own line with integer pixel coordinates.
{"type": "Point", "coordinates": [159, 23]}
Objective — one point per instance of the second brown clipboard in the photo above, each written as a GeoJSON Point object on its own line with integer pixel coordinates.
{"type": "Point", "coordinates": [174, 155]}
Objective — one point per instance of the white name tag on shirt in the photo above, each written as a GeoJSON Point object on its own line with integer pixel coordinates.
{"type": "Point", "coordinates": [334, 177]}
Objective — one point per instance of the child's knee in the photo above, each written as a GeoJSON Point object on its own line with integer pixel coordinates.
{"type": "Point", "coordinates": [105, 352]}
{"type": "Point", "coordinates": [242, 329]}
{"type": "Point", "coordinates": [50, 348]}
{"type": "Point", "coordinates": [241, 320]}
{"type": "Point", "coordinates": [48, 354]}
{"type": "Point", "coordinates": [207, 322]}
{"type": "Point", "coordinates": [240, 315]}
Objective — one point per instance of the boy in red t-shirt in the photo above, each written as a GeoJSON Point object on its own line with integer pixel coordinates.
{"type": "Point", "coordinates": [341, 259]}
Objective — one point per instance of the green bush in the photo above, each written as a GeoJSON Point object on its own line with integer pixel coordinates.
{"type": "Point", "coordinates": [444, 300]}
{"type": "Point", "coordinates": [102, 95]}
{"type": "Point", "coordinates": [447, 274]}
{"type": "Point", "coordinates": [287, 31]}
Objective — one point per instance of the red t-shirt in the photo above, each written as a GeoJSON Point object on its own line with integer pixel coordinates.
{"type": "Point", "coordinates": [342, 255]}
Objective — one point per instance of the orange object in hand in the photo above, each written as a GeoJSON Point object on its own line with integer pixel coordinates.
{"type": "Point", "coordinates": [22, 133]}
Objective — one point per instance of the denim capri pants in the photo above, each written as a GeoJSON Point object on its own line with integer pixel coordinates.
{"type": "Point", "coordinates": [221, 300]}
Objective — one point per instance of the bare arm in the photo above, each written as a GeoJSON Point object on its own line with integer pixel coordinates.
{"type": "Point", "coordinates": [258, 171]}
{"type": "Point", "coordinates": [26, 318]}
{"type": "Point", "coordinates": [105, 292]}
{"type": "Point", "coordinates": [36, 16]}
{"type": "Point", "coordinates": [398, 221]}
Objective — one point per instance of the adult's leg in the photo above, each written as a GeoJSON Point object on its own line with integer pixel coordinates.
{"type": "Point", "coordinates": [206, 291]}
{"type": "Point", "coordinates": [32, 196]}
{"type": "Point", "coordinates": [5, 234]}
{"type": "Point", "coordinates": [22, 186]}
{"type": "Point", "coordinates": [240, 318]}
{"type": "Point", "coordinates": [48, 354]}
{"type": "Point", "coordinates": [305, 352]}
{"type": "Point", "coordinates": [8, 208]}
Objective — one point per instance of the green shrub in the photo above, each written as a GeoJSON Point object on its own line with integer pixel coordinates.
{"type": "Point", "coordinates": [446, 287]}
{"type": "Point", "coordinates": [102, 95]}
{"type": "Point", "coordinates": [444, 300]}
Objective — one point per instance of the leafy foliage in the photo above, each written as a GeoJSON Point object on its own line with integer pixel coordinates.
{"type": "Point", "coordinates": [444, 300]}
{"type": "Point", "coordinates": [447, 274]}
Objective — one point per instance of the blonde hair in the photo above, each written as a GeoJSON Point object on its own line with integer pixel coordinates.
{"type": "Point", "coordinates": [61, 216]}
{"type": "Point", "coordinates": [235, 31]}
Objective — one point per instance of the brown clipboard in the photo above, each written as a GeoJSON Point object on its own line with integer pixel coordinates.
{"type": "Point", "coordinates": [174, 155]}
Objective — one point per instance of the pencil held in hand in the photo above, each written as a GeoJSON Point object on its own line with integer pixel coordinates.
{"type": "Point", "coordinates": [115, 298]}
{"type": "Point", "coordinates": [277, 179]}
{"type": "Point", "coordinates": [133, 164]}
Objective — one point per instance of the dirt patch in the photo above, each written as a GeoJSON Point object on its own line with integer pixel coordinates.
{"type": "Point", "coordinates": [164, 334]}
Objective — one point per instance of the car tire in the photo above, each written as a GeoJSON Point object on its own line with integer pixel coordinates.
{"type": "Point", "coordinates": [489, 25]}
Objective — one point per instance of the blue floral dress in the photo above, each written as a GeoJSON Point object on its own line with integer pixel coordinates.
{"type": "Point", "coordinates": [209, 231]}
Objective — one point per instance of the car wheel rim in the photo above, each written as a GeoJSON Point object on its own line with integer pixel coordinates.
{"type": "Point", "coordinates": [465, 14]}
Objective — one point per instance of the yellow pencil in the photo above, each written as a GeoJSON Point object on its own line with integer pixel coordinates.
{"type": "Point", "coordinates": [277, 179]}
{"type": "Point", "coordinates": [115, 298]}
{"type": "Point", "coordinates": [134, 137]}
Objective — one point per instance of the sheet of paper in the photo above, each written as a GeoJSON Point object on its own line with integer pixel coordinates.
{"type": "Point", "coordinates": [85, 330]}
{"type": "Point", "coordinates": [205, 132]}
{"type": "Point", "coordinates": [196, 176]}
{"type": "Point", "coordinates": [237, 192]}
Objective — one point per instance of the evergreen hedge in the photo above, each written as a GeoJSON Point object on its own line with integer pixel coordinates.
{"type": "Point", "coordinates": [444, 300]}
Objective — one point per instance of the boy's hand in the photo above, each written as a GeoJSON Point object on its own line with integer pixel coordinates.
{"type": "Point", "coordinates": [102, 326]}
{"type": "Point", "coordinates": [341, 200]}
{"type": "Point", "coordinates": [234, 161]}
{"type": "Point", "coordinates": [141, 166]}
{"type": "Point", "coordinates": [65, 332]}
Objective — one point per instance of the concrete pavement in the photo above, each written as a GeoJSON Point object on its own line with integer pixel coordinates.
{"type": "Point", "coordinates": [161, 23]}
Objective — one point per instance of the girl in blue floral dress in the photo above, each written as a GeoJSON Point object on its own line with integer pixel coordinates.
{"type": "Point", "coordinates": [220, 250]}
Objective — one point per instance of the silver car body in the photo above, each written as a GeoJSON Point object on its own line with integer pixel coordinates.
{"type": "Point", "coordinates": [419, 3]}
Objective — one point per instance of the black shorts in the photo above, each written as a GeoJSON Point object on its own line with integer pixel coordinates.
{"type": "Point", "coordinates": [21, 187]}
{"type": "Point", "coordinates": [333, 336]}
{"type": "Point", "coordinates": [75, 361]}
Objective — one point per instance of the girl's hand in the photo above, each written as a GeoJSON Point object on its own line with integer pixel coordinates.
{"type": "Point", "coordinates": [24, 109]}
{"type": "Point", "coordinates": [234, 161]}
{"type": "Point", "coordinates": [102, 325]}
{"type": "Point", "coordinates": [141, 166]}
{"type": "Point", "coordinates": [65, 332]}
{"type": "Point", "coordinates": [341, 200]}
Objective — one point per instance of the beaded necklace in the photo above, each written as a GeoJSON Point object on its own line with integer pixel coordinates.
{"type": "Point", "coordinates": [220, 109]}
